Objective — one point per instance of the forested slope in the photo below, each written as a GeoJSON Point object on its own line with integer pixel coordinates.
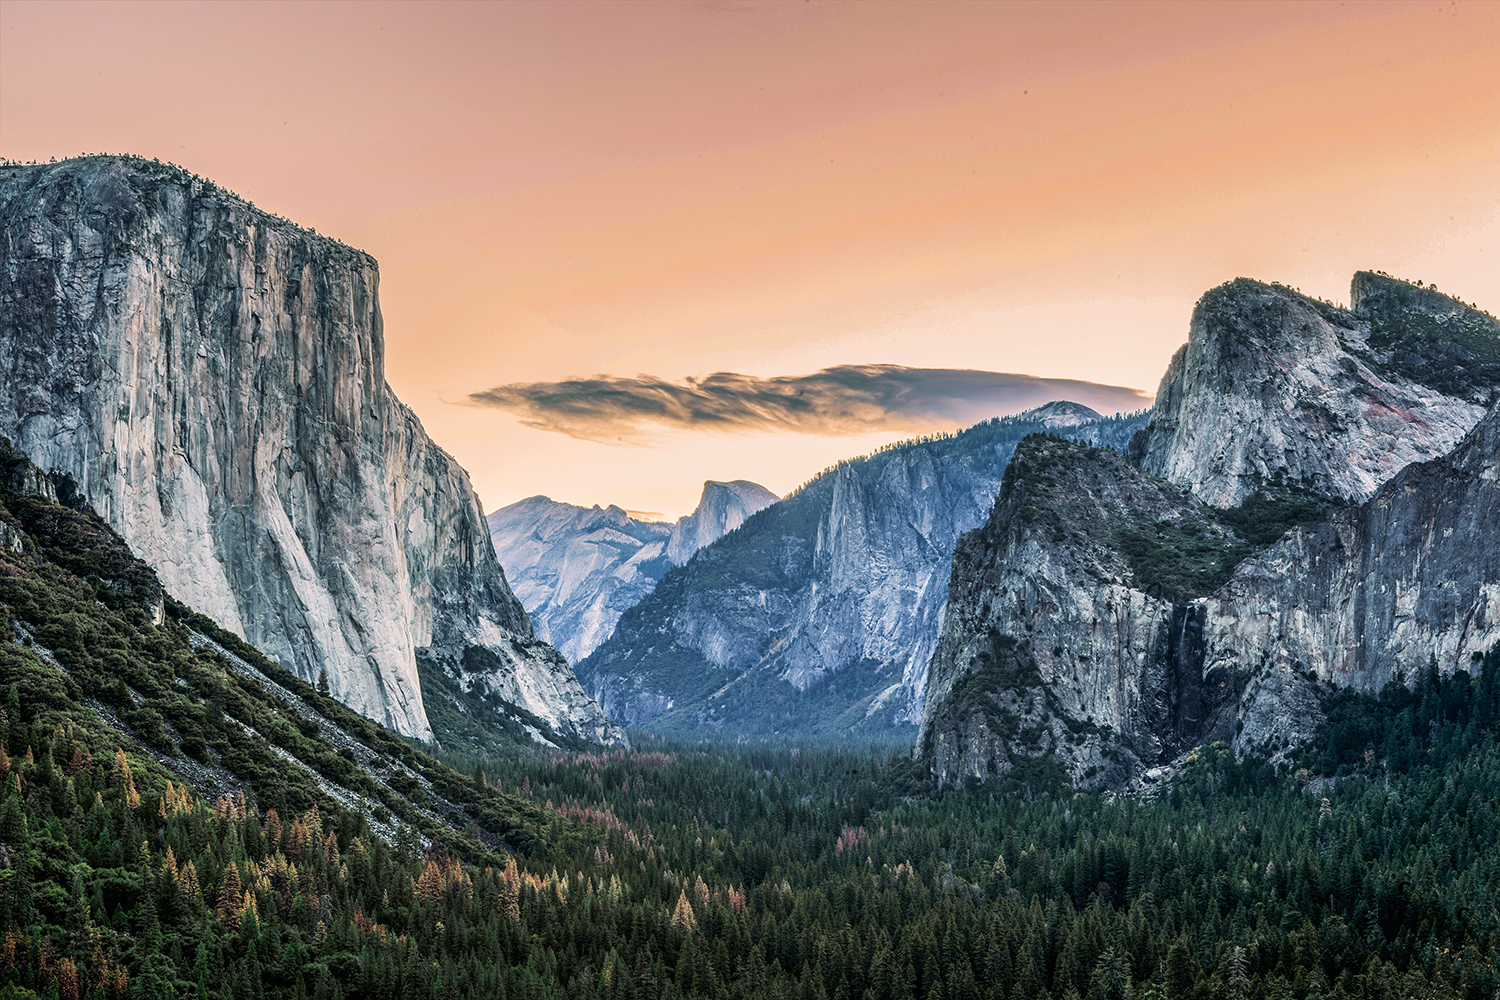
{"type": "Point", "coordinates": [135, 862]}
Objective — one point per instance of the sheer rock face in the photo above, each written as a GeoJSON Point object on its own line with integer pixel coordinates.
{"type": "Point", "coordinates": [213, 377]}
{"type": "Point", "coordinates": [1409, 578]}
{"type": "Point", "coordinates": [1051, 646]}
{"type": "Point", "coordinates": [577, 569]}
{"type": "Point", "coordinates": [1272, 384]}
{"type": "Point", "coordinates": [722, 508]}
{"type": "Point", "coordinates": [819, 615]}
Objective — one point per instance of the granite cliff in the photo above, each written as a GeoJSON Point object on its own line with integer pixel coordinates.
{"type": "Point", "coordinates": [722, 508]}
{"type": "Point", "coordinates": [818, 615]}
{"type": "Point", "coordinates": [1276, 537]}
{"type": "Point", "coordinates": [577, 569]}
{"type": "Point", "coordinates": [1273, 384]}
{"type": "Point", "coordinates": [88, 634]}
{"type": "Point", "coordinates": [1055, 640]}
{"type": "Point", "coordinates": [1407, 580]}
{"type": "Point", "coordinates": [213, 378]}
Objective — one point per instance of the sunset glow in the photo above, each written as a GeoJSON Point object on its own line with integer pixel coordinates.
{"type": "Point", "coordinates": [561, 191]}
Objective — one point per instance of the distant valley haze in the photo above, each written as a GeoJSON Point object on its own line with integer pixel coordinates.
{"type": "Point", "coordinates": [626, 249]}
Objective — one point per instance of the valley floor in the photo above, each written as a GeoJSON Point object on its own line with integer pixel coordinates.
{"type": "Point", "coordinates": [1370, 868]}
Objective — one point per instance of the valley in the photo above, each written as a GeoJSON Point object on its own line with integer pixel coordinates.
{"type": "Point", "coordinates": [1194, 702]}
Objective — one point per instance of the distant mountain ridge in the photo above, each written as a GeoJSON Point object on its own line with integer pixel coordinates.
{"type": "Point", "coordinates": [722, 508]}
{"type": "Point", "coordinates": [818, 615]}
{"type": "Point", "coordinates": [577, 569]}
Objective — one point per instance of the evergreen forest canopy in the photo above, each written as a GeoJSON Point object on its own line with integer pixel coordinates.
{"type": "Point", "coordinates": [329, 858]}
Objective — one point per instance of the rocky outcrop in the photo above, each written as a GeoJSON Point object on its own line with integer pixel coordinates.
{"type": "Point", "coordinates": [1273, 385]}
{"type": "Point", "coordinates": [577, 569]}
{"type": "Point", "coordinates": [1070, 634]}
{"type": "Point", "coordinates": [1408, 580]}
{"type": "Point", "coordinates": [213, 378]}
{"type": "Point", "coordinates": [722, 508]}
{"type": "Point", "coordinates": [819, 615]}
{"type": "Point", "coordinates": [1418, 333]}
{"type": "Point", "coordinates": [1106, 620]}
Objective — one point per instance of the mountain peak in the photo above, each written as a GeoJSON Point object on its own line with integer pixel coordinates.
{"type": "Point", "coordinates": [313, 516]}
{"type": "Point", "coordinates": [818, 616]}
{"type": "Point", "coordinates": [1372, 292]}
{"type": "Point", "coordinates": [1277, 385]}
{"type": "Point", "coordinates": [1109, 621]}
{"type": "Point", "coordinates": [1061, 414]}
{"type": "Point", "coordinates": [576, 569]}
{"type": "Point", "coordinates": [722, 508]}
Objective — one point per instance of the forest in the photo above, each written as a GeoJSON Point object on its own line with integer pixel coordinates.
{"type": "Point", "coordinates": [334, 859]}
{"type": "Point", "coordinates": [1366, 868]}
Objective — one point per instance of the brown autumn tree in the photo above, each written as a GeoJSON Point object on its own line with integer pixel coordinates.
{"type": "Point", "coordinates": [231, 898]}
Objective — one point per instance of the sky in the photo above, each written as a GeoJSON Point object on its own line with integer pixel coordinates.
{"type": "Point", "coordinates": [628, 247]}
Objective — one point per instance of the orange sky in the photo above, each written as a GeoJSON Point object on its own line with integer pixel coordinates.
{"type": "Point", "coordinates": [560, 190]}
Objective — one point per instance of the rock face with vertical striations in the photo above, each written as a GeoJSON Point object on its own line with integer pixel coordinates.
{"type": "Point", "coordinates": [213, 377]}
{"type": "Point", "coordinates": [722, 508]}
{"type": "Point", "coordinates": [1275, 385]}
{"type": "Point", "coordinates": [1070, 634]}
{"type": "Point", "coordinates": [817, 617]}
{"type": "Point", "coordinates": [1107, 618]}
{"type": "Point", "coordinates": [1408, 579]}
{"type": "Point", "coordinates": [577, 569]}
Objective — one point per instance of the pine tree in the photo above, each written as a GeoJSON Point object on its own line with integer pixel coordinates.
{"type": "Point", "coordinates": [510, 894]}
{"type": "Point", "coordinates": [67, 980]}
{"type": "Point", "coordinates": [962, 985]}
{"type": "Point", "coordinates": [127, 780]}
{"type": "Point", "coordinates": [187, 882]}
{"type": "Point", "coordinates": [1181, 970]}
{"type": "Point", "coordinates": [1028, 978]}
{"type": "Point", "coordinates": [231, 898]}
{"type": "Point", "coordinates": [1111, 978]}
{"type": "Point", "coordinates": [271, 828]}
{"type": "Point", "coordinates": [882, 976]}
{"type": "Point", "coordinates": [997, 964]}
{"type": "Point", "coordinates": [13, 825]}
{"type": "Point", "coordinates": [682, 915]}
{"type": "Point", "coordinates": [1239, 983]}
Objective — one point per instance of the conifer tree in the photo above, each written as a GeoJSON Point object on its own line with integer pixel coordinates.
{"type": "Point", "coordinates": [1239, 982]}
{"type": "Point", "coordinates": [1111, 978]}
{"type": "Point", "coordinates": [231, 898]}
{"type": "Point", "coordinates": [1181, 970]}
{"type": "Point", "coordinates": [682, 914]}
{"type": "Point", "coordinates": [510, 893]}
{"type": "Point", "coordinates": [272, 830]}
{"type": "Point", "coordinates": [67, 980]}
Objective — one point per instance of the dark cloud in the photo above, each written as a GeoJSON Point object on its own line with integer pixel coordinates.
{"type": "Point", "coordinates": [848, 399]}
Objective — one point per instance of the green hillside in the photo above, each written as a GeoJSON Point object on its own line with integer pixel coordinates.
{"type": "Point", "coordinates": [179, 818]}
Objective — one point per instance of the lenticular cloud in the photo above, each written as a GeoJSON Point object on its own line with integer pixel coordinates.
{"type": "Point", "coordinates": [846, 399]}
